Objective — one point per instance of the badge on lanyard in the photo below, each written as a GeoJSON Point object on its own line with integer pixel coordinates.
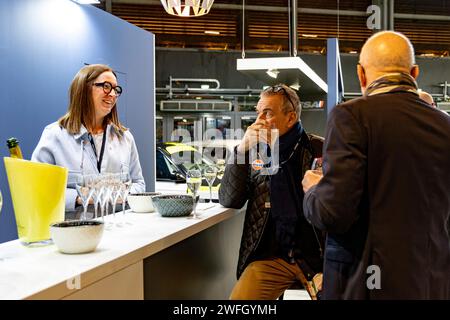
{"type": "Point", "coordinates": [257, 164]}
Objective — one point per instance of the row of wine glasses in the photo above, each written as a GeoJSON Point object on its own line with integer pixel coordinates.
{"type": "Point", "coordinates": [194, 181]}
{"type": "Point", "coordinates": [103, 189]}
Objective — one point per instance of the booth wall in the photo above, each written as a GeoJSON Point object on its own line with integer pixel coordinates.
{"type": "Point", "coordinates": [43, 43]}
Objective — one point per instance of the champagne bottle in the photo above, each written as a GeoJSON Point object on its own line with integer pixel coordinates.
{"type": "Point", "coordinates": [14, 148]}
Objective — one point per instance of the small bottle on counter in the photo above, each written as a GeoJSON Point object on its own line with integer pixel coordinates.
{"type": "Point", "coordinates": [14, 148]}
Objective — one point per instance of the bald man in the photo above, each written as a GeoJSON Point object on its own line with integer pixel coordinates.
{"type": "Point", "coordinates": [384, 197]}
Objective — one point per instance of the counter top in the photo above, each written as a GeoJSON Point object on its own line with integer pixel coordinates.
{"type": "Point", "coordinates": [45, 273]}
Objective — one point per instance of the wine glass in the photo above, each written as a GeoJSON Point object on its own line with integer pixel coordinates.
{"type": "Point", "coordinates": [210, 174]}
{"type": "Point", "coordinates": [97, 192]}
{"type": "Point", "coordinates": [84, 190]}
{"type": "Point", "coordinates": [104, 199]}
{"type": "Point", "coordinates": [115, 193]}
{"type": "Point", "coordinates": [126, 182]}
{"type": "Point", "coordinates": [194, 180]}
{"type": "Point", "coordinates": [317, 165]}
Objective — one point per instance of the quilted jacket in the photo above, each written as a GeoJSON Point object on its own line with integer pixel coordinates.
{"type": "Point", "coordinates": [241, 183]}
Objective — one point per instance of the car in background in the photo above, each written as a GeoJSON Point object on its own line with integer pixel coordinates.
{"type": "Point", "coordinates": [217, 149]}
{"type": "Point", "coordinates": [173, 160]}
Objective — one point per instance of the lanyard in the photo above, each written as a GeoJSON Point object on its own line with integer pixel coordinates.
{"type": "Point", "coordinates": [102, 150]}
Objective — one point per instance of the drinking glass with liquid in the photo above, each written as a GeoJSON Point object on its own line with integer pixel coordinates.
{"type": "Point", "coordinates": [210, 174]}
{"type": "Point", "coordinates": [194, 180]}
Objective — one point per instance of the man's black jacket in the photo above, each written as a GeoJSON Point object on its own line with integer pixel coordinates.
{"type": "Point", "coordinates": [385, 199]}
{"type": "Point", "coordinates": [241, 183]}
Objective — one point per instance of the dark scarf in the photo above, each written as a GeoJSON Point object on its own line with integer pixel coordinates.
{"type": "Point", "coordinates": [392, 82]}
{"type": "Point", "coordinates": [285, 190]}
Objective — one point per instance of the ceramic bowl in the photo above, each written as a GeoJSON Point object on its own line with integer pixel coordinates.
{"type": "Point", "coordinates": [77, 236]}
{"type": "Point", "coordinates": [141, 202]}
{"type": "Point", "coordinates": [179, 205]}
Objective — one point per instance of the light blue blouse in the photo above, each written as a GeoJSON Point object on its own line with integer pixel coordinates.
{"type": "Point", "coordinates": [75, 152]}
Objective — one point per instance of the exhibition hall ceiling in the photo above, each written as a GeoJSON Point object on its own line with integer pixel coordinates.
{"type": "Point", "coordinates": [265, 26]}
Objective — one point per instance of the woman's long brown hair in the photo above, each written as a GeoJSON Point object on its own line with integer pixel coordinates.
{"type": "Point", "coordinates": [81, 106]}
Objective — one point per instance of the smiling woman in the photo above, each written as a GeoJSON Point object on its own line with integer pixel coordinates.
{"type": "Point", "coordinates": [89, 138]}
{"type": "Point", "coordinates": [104, 95]}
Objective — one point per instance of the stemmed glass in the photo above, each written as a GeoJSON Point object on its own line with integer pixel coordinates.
{"type": "Point", "coordinates": [115, 186]}
{"type": "Point", "coordinates": [125, 180]}
{"type": "Point", "coordinates": [317, 165]}
{"type": "Point", "coordinates": [194, 180]}
{"type": "Point", "coordinates": [97, 193]}
{"type": "Point", "coordinates": [85, 191]}
{"type": "Point", "coordinates": [210, 174]}
{"type": "Point", "coordinates": [104, 199]}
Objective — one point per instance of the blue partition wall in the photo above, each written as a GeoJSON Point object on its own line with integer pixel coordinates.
{"type": "Point", "coordinates": [43, 43]}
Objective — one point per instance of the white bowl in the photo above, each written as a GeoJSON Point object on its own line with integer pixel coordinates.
{"type": "Point", "coordinates": [141, 202]}
{"type": "Point", "coordinates": [77, 236]}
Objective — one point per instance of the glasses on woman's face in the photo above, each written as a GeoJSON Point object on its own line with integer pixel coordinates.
{"type": "Point", "coordinates": [108, 87]}
{"type": "Point", "coordinates": [279, 88]}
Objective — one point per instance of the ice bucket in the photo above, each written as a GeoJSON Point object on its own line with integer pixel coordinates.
{"type": "Point", "coordinates": [38, 197]}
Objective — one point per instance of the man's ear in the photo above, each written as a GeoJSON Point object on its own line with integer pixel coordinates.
{"type": "Point", "coordinates": [415, 71]}
{"type": "Point", "coordinates": [361, 76]}
{"type": "Point", "coordinates": [292, 119]}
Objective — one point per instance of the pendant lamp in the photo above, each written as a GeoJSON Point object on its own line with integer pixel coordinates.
{"type": "Point", "coordinates": [187, 8]}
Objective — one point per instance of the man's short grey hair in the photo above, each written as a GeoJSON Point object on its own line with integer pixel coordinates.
{"type": "Point", "coordinates": [291, 100]}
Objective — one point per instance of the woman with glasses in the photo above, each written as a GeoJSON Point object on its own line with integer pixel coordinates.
{"type": "Point", "coordinates": [89, 138]}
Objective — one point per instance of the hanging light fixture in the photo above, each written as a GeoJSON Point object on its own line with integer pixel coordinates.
{"type": "Point", "coordinates": [187, 8]}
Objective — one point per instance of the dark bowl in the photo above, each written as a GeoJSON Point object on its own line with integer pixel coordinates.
{"type": "Point", "coordinates": [178, 205]}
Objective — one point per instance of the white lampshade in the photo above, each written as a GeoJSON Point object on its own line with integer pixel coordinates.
{"type": "Point", "coordinates": [187, 8]}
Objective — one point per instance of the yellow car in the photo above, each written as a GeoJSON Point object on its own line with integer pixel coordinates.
{"type": "Point", "coordinates": [173, 160]}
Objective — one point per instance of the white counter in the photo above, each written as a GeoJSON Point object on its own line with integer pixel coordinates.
{"type": "Point", "coordinates": [44, 273]}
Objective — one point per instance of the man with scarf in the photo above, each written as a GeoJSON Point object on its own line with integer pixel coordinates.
{"type": "Point", "coordinates": [278, 246]}
{"type": "Point", "coordinates": [384, 198]}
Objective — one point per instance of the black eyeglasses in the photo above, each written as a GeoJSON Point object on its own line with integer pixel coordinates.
{"type": "Point", "coordinates": [277, 88]}
{"type": "Point", "coordinates": [108, 87]}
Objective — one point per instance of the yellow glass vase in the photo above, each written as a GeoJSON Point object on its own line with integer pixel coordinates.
{"type": "Point", "coordinates": [38, 196]}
